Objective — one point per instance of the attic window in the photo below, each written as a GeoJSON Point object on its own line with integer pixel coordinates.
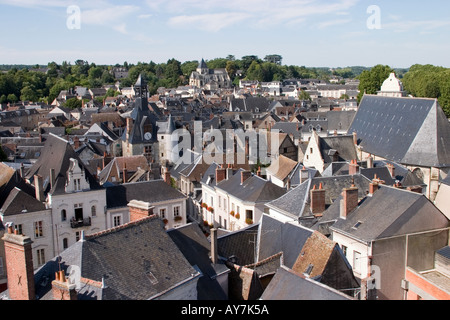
{"type": "Point", "coordinates": [357, 225]}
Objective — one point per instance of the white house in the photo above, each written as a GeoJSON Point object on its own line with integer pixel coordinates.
{"type": "Point", "coordinates": [235, 199]}
{"type": "Point", "coordinates": [76, 199]}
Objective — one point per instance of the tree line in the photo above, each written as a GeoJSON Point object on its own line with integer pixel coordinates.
{"type": "Point", "coordinates": [421, 81]}
{"type": "Point", "coordinates": [26, 83]}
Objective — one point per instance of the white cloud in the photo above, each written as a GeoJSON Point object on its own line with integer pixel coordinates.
{"type": "Point", "coordinates": [107, 16]}
{"type": "Point", "coordinates": [208, 22]}
{"type": "Point", "coordinates": [259, 13]}
{"type": "Point", "coordinates": [408, 25]}
{"type": "Point", "coordinates": [332, 23]}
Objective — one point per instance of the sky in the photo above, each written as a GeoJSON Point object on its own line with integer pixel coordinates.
{"type": "Point", "coordinates": [311, 33]}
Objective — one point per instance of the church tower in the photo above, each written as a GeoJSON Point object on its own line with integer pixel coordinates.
{"type": "Point", "coordinates": [202, 67]}
{"type": "Point", "coordinates": [140, 137]}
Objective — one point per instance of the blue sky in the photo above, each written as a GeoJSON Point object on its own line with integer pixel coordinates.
{"type": "Point", "coordinates": [312, 33]}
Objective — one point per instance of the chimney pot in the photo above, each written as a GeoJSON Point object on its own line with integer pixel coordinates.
{"type": "Point", "coordinates": [353, 167]}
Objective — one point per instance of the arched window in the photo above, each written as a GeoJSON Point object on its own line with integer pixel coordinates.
{"type": "Point", "coordinates": [94, 211]}
{"type": "Point", "coordinates": [63, 215]}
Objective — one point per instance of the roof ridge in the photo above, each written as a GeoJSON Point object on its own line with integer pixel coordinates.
{"type": "Point", "coordinates": [121, 227]}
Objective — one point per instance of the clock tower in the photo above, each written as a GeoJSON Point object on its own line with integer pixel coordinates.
{"type": "Point", "coordinates": [140, 137]}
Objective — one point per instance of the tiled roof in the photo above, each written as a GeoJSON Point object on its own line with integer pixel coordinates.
{"type": "Point", "coordinates": [411, 131]}
{"type": "Point", "coordinates": [254, 189]}
{"type": "Point", "coordinates": [136, 261]}
{"type": "Point", "coordinates": [390, 211]}
{"type": "Point", "coordinates": [19, 202]}
{"type": "Point", "coordinates": [149, 191]}
{"type": "Point", "coordinates": [56, 155]}
{"type": "Point", "coordinates": [289, 285]}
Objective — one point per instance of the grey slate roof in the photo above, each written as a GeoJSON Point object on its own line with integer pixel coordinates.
{"type": "Point", "coordinates": [344, 146]}
{"type": "Point", "coordinates": [389, 212]}
{"type": "Point", "coordinates": [149, 191]}
{"type": "Point", "coordinates": [411, 131]}
{"type": "Point", "coordinates": [240, 245]}
{"type": "Point", "coordinates": [296, 202]}
{"type": "Point", "coordinates": [16, 181]}
{"type": "Point", "coordinates": [402, 174]}
{"type": "Point", "coordinates": [252, 104]}
{"type": "Point", "coordinates": [136, 261]}
{"type": "Point", "coordinates": [19, 202]}
{"type": "Point", "coordinates": [196, 248]}
{"type": "Point", "coordinates": [254, 189]}
{"type": "Point", "coordinates": [56, 154]}
{"type": "Point", "coordinates": [288, 285]}
{"type": "Point", "coordinates": [276, 236]}
{"type": "Point", "coordinates": [340, 120]}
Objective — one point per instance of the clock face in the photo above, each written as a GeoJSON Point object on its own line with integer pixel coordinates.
{"type": "Point", "coordinates": [148, 136]}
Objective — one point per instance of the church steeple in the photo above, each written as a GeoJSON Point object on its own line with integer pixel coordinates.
{"type": "Point", "coordinates": [141, 88]}
{"type": "Point", "coordinates": [202, 67]}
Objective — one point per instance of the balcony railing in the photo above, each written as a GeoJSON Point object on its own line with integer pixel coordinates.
{"type": "Point", "coordinates": [74, 223]}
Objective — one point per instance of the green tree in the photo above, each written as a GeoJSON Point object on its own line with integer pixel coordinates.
{"type": "Point", "coordinates": [12, 98]}
{"type": "Point", "coordinates": [173, 73]}
{"type": "Point", "coordinates": [231, 68]}
{"type": "Point", "coordinates": [370, 81]}
{"type": "Point", "coordinates": [255, 72]}
{"type": "Point", "coordinates": [303, 95]}
{"type": "Point", "coordinates": [29, 93]}
{"type": "Point", "coordinates": [73, 103]}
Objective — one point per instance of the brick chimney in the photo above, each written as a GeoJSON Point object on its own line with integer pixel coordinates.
{"type": "Point", "coordinates": [19, 265]}
{"type": "Point", "coordinates": [373, 187]}
{"type": "Point", "coordinates": [353, 168]}
{"type": "Point", "coordinates": [349, 201]}
{"type": "Point", "coordinates": [62, 289]}
{"type": "Point", "coordinates": [375, 184]}
{"type": "Point", "coordinates": [317, 199]}
{"type": "Point", "coordinates": [221, 174]}
{"type": "Point", "coordinates": [245, 175]}
{"type": "Point", "coordinates": [139, 210]}
{"type": "Point", "coordinates": [39, 188]}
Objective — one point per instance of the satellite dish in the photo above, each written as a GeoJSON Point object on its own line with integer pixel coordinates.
{"type": "Point", "coordinates": [148, 136]}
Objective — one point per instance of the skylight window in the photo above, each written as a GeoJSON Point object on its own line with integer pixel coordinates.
{"type": "Point", "coordinates": [357, 225]}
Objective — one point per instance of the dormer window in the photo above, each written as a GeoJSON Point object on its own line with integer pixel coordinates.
{"type": "Point", "coordinates": [76, 179]}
